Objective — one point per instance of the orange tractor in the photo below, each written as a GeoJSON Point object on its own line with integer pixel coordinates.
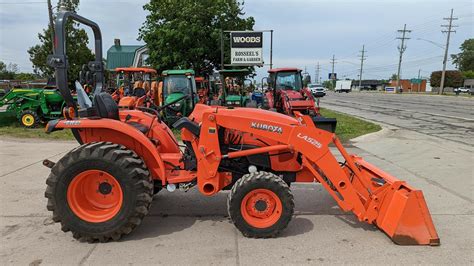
{"type": "Point", "coordinates": [203, 85]}
{"type": "Point", "coordinates": [135, 86]}
{"type": "Point", "coordinates": [103, 189]}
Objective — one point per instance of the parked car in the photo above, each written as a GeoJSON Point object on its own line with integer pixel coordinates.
{"type": "Point", "coordinates": [317, 90]}
{"type": "Point", "coordinates": [461, 90]}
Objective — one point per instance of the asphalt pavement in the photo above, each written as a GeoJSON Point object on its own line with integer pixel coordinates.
{"type": "Point", "coordinates": [445, 117]}
{"type": "Point", "coordinates": [187, 228]}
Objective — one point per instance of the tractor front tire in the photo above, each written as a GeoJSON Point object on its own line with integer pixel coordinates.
{"type": "Point", "coordinates": [99, 191]}
{"type": "Point", "coordinates": [260, 205]}
{"type": "Point", "coordinates": [29, 119]}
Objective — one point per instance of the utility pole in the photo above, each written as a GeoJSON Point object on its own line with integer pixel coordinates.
{"type": "Point", "coordinates": [419, 80]}
{"type": "Point", "coordinates": [362, 58]}
{"type": "Point", "coordinates": [402, 49]}
{"type": "Point", "coordinates": [445, 60]}
{"type": "Point", "coordinates": [317, 73]}
{"type": "Point", "coordinates": [333, 61]}
{"type": "Point", "coordinates": [271, 49]}
{"type": "Point", "coordinates": [51, 24]}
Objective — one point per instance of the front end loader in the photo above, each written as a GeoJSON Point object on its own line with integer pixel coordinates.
{"type": "Point", "coordinates": [103, 189]}
{"type": "Point", "coordinates": [33, 105]}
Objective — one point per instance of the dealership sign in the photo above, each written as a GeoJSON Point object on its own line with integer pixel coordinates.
{"type": "Point", "coordinates": [246, 48]}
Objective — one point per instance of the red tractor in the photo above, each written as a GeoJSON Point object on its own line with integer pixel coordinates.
{"type": "Point", "coordinates": [202, 85]}
{"type": "Point", "coordinates": [103, 189]}
{"type": "Point", "coordinates": [286, 93]}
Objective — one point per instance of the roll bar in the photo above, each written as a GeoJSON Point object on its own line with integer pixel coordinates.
{"type": "Point", "coordinates": [59, 59]}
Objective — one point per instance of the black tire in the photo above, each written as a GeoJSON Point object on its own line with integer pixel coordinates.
{"type": "Point", "coordinates": [260, 180]}
{"type": "Point", "coordinates": [28, 115]}
{"type": "Point", "coordinates": [125, 166]}
{"type": "Point", "coordinates": [157, 188]}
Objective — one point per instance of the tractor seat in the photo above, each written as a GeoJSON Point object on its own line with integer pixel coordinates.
{"type": "Point", "coordinates": [192, 126]}
{"type": "Point", "coordinates": [139, 92]}
{"type": "Point", "coordinates": [105, 106]}
{"type": "Point", "coordinates": [142, 128]}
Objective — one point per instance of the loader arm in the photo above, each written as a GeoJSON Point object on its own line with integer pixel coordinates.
{"type": "Point", "coordinates": [372, 195]}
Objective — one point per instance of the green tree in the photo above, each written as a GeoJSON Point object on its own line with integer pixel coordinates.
{"type": "Point", "coordinates": [76, 47]}
{"type": "Point", "coordinates": [7, 72]}
{"type": "Point", "coordinates": [394, 77]}
{"type": "Point", "coordinates": [328, 84]}
{"type": "Point", "coordinates": [186, 33]}
{"type": "Point", "coordinates": [25, 76]}
{"type": "Point", "coordinates": [464, 61]}
{"type": "Point", "coordinates": [468, 74]}
{"type": "Point", "coordinates": [453, 79]}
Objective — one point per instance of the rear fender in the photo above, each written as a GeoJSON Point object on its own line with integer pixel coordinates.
{"type": "Point", "coordinates": [116, 132]}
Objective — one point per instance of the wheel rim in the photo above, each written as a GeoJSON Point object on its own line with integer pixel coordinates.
{"type": "Point", "coordinates": [28, 120]}
{"type": "Point", "coordinates": [261, 208]}
{"type": "Point", "coordinates": [95, 196]}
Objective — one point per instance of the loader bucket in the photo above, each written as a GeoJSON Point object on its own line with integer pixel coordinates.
{"type": "Point", "coordinates": [403, 214]}
{"type": "Point", "coordinates": [405, 218]}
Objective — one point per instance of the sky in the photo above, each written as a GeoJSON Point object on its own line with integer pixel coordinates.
{"type": "Point", "coordinates": [305, 32]}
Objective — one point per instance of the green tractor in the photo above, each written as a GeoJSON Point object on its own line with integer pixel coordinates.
{"type": "Point", "coordinates": [235, 91]}
{"type": "Point", "coordinates": [178, 84]}
{"type": "Point", "coordinates": [33, 105]}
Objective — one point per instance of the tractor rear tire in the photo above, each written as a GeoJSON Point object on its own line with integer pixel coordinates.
{"type": "Point", "coordinates": [29, 119]}
{"type": "Point", "coordinates": [99, 191]}
{"type": "Point", "coordinates": [260, 205]}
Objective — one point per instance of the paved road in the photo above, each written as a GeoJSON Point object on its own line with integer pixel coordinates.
{"type": "Point", "coordinates": [444, 117]}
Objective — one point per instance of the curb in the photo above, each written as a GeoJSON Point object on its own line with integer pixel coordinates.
{"type": "Point", "coordinates": [384, 132]}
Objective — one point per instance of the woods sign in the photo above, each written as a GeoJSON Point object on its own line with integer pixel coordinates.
{"type": "Point", "coordinates": [246, 48]}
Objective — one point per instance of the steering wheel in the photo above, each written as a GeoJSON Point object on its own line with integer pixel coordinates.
{"type": "Point", "coordinates": [157, 109]}
{"type": "Point", "coordinates": [171, 103]}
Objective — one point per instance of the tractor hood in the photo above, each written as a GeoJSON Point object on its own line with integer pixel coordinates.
{"type": "Point", "coordinates": [179, 106]}
{"type": "Point", "coordinates": [233, 98]}
{"type": "Point", "coordinates": [293, 95]}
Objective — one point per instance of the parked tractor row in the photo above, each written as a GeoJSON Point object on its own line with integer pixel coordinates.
{"type": "Point", "coordinates": [133, 87]}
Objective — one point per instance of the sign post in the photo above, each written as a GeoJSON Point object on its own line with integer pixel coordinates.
{"type": "Point", "coordinates": [246, 48]}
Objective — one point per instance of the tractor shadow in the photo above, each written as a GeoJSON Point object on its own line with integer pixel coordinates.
{"type": "Point", "coordinates": [172, 213]}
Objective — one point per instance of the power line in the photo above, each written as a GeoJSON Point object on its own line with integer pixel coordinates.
{"type": "Point", "coordinates": [445, 60]}
{"type": "Point", "coordinates": [401, 49]}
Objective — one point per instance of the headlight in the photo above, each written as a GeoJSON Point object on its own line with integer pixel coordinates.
{"type": "Point", "coordinates": [177, 105]}
{"type": "Point", "coordinates": [229, 102]}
